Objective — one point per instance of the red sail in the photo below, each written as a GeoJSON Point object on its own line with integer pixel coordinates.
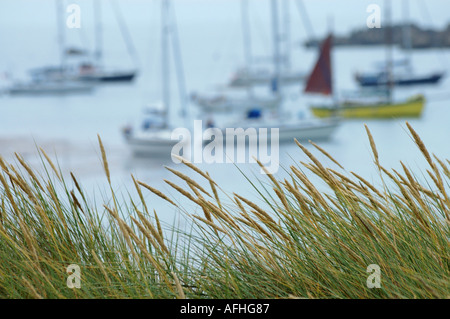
{"type": "Point", "coordinates": [320, 80]}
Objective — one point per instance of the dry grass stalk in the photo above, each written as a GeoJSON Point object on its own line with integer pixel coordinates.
{"type": "Point", "coordinates": [29, 170]}
{"type": "Point", "coordinates": [273, 179]}
{"type": "Point", "coordinates": [181, 294]}
{"type": "Point", "coordinates": [214, 190]}
{"type": "Point", "coordinates": [32, 290]}
{"type": "Point", "coordinates": [49, 161]}
{"type": "Point", "coordinates": [104, 159]}
{"type": "Point", "coordinates": [326, 154]}
{"type": "Point", "coordinates": [157, 193]}
{"type": "Point", "coordinates": [188, 180]}
{"type": "Point", "coordinates": [194, 168]}
{"type": "Point", "coordinates": [181, 191]}
{"type": "Point", "coordinates": [101, 266]}
{"type": "Point", "coordinates": [372, 145]}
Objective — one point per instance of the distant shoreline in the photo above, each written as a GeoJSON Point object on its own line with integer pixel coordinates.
{"type": "Point", "coordinates": [421, 38]}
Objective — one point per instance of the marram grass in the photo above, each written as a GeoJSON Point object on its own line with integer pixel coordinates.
{"type": "Point", "coordinates": [304, 243]}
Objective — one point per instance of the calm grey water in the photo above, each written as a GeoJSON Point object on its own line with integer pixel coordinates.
{"type": "Point", "coordinates": [211, 42]}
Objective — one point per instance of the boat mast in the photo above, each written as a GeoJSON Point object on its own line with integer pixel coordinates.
{"type": "Point", "coordinates": [247, 39]}
{"type": "Point", "coordinates": [60, 14]}
{"type": "Point", "coordinates": [389, 51]}
{"type": "Point", "coordinates": [165, 9]}
{"type": "Point", "coordinates": [98, 55]}
{"type": "Point", "coordinates": [287, 34]}
{"type": "Point", "coordinates": [98, 33]}
{"type": "Point", "coordinates": [407, 39]}
{"type": "Point", "coordinates": [276, 47]}
{"type": "Point", "coordinates": [126, 36]}
{"type": "Point", "coordinates": [179, 66]}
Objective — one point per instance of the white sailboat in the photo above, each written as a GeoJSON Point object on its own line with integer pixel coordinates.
{"type": "Point", "coordinates": [97, 72]}
{"type": "Point", "coordinates": [226, 102]}
{"type": "Point", "coordinates": [242, 96]}
{"type": "Point", "coordinates": [288, 127]}
{"type": "Point", "coordinates": [263, 76]}
{"type": "Point", "coordinates": [92, 70]}
{"type": "Point", "coordinates": [402, 73]}
{"type": "Point", "coordinates": [49, 88]}
{"type": "Point", "coordinates": [51, 80]}
{"type": "Point", "coordinates": [154, 137]}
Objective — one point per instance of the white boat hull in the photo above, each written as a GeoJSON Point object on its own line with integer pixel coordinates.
{"type": "Point", "coordinates": [243, 80]}
{"type": "Point", "coordinates": [152, 143]}
{"type": "Point", "coordinates": [155, 148]}
{"type": "Point", "coordinates": [232, 105]}
{"type": "Point", "coordinates": [49, 89]}
{"type": "Point", "coordinates": [302, 131]}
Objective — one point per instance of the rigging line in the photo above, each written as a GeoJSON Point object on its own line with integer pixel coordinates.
{"type": "Point", "coordinates": [247, 39]}
{"type": "Point", "coordinates": [84, 39]}
{"type": "Point", "coordinates": [179, 65]}
{"type": "Point", "coordinates": [60, 13]}
{"type": "Point", "coordinates": [287, 34]}
{"type": "Point", "coordinates": [304, 16]}
{"type": "Point", "coordinates": [427, 16]}
{"type": "Point", "coordinates": [221, 60]}
{"type": "Point", "coordinates": [126, 34]}
{"type": "Point", "coordinates": [153, 61]}
{"type": "Point", "coordinates": [264, 38]}
{"type": "Point", "coordinates": [246, 31]}
{"type": "Point", "coordinates": [165, 55]}
{"type": "Point", "coordinates": [98, 34]}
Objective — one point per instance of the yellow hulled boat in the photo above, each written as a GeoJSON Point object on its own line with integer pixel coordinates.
{"type": "Point", "coordinates": [320, 82]}
{"type": "Point", "coordinates": [412, 107]}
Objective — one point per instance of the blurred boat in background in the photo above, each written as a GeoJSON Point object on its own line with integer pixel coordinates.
{"type": "Point", "coordinates": [74, 66]}
{"type": "Point", "coordinates": [252, 75]}
{"type": "Point", "coordinates": [154, 137]}
{"type": "Point", "coordinates": [234, 102]}
{"type": "Point", "coordinates": [410, 108]}
{"type": "Point", "coordinates": [95, 71]}
{"type": "Point", "coordinates": [49, 88]}
{"type": "Point", "coordinates": [263, 77]}
{"type": "Point", "coordinates": [403, 75]}
{"type": "Point", "coordinates": [399, 73]}
{"type": "Point", "coordinates": [289, 127]}
{"type": "Point", "coordinates": [383, 107]}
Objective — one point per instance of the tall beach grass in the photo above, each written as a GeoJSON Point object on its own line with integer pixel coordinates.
{"type": "Point", "coordinates": [293, 242]}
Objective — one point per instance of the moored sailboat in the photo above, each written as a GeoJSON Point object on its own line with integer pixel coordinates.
{"type": "Point", "coordinates": [404, 74]}
{"type": "Point", "coordinates": [52, 80]}
{"type": "Point", "coordinates": [385, 107]}
{"type": "Point", "coordinates": [96, 72]}
{"type": "Point", "coordinates": [227, 102]}
{"type": "Point", "coordinates": [154, 138]}
{"type": "Point", "coordinates": [252, 75]}
{"type": "Point", "coordinates": [288, 127]}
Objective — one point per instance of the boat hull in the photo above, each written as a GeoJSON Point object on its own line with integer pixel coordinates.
{"type": "Point", "coordinates": [411, 108]}
{"type": "Point", "coordinates": [58, 89]}
{"type": "Point", "coordinates": [315, 131]}
{"type": "Point", "coordinates": [109, 78]}
{"type": "Point", "coordinates": [245, 81]}
{"type": "Point", "coordinates": [151, 148]}
{"type": "Point", "coordinates": [232, 105]}
{"type": "Point", "coordinates": [375, 81]}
